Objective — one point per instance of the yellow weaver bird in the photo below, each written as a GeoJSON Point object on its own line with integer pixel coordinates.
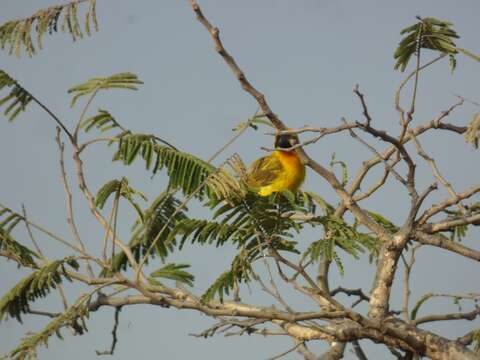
{"type": "Point", "coordinates": [280, 171]}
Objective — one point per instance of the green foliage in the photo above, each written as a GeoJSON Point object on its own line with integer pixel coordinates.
{"type": "Point", "coordinates": [117, 81]}
{"type": "Point", "coordinates": [209, 232]}
{"type": "Point", "coordinates": [185, 171]}
{"type": "Point", "coordinates": [122, 189]}
{"type": "Point", "coordinates": [339, 234]}
{"type": "Point", "coordinates": [240, 225]}
{"type": "Point", "coordinates": [8, 219]}
{"type": "Point", "coordinates": [145, 232]}
{"type": "Point", "coordinates": [327, 208]}
{"type": "Point", "coordinates": [387, 224]}
{"type": "Point", "coordinates": [460, 231]}
{"type": "Point", "coordinates": [221, 286]}
{"type": "Point", "coordinates": [12, 248]}
{"type": "Point", "coordinates": [240, 271]}
{"type": "Point", "coordinates": [17, 34]}
{"type": "Point", "coordinates": [228, 187]}
{"type": "Point", "coordinates": [17, 99]}
{"type": "Point", "coordinates": [427, 33]}
{"type": "Point", "coordinates": [472, 134]}
{"type": "Point", "coordinates": [74, 317]}
{"type": "Point", "coordinates": [36, 285]}
{"type": "Point", "coordinates": [103, 121]}
{"type": "Point", "coordinates": [175, 272]}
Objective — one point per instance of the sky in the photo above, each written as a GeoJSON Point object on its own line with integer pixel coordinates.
{"type": "Point", "coordinates": [305, 56]}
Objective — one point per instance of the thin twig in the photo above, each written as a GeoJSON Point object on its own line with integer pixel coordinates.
{"type": "Point", "coordinates": [116, 205]}
{"type": "Point", "coordinates": [288, 351]}
{"type": "Point", "coordinates": [30, 233]}
{"type": "Point", "coordinates": [82, 115]}
{"type": "Point", "coordinates": [412, 74]}
{"type": "Point", "coordinates": [436, 171]}
{"type": "Point", "coordinates": [53, 116]}
{"type": "Point", "coordinates": [50, 234]}
{"type": "Point", "coordinates": [114, 334]}
{"type": "Point", "coordinates": [44, 313]}
{"type": "Point", "coordinates": [471, 315]}
{"type": "Point", "coordinates": [230, 61]}
{"type": "Point", "coordinates": [68, 194]}
{"type": "Point", "coordinates": [406, 282]}
{"type": "Point", "coordinates": [105, 238]}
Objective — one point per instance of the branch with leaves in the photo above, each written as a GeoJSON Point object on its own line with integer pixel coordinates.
{"type": "Point", "coordinates": [263, 231]}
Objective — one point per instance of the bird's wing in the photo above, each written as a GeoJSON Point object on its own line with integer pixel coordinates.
{"type": "Point", "coordinates": [264, 171]}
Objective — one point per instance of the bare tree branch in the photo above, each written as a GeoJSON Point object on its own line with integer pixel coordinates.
{"type": "Point", "coordinates": [443, 242]}
{"type": "Point", "coordinates": [114, 334]}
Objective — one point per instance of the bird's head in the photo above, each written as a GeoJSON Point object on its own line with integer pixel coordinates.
{"type": "Point", "coordinates": [285, 141]}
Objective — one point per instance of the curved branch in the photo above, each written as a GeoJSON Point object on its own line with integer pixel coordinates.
{"type": "Point", "coordinates": [443, 242]}
{"type": "Point", "coordinates": [230, 61]}
{"type": "Point", "coordinates": [471, 315]}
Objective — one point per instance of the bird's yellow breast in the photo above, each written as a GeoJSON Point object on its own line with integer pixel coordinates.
{"type": "Point", "coordinates": [291, 176]}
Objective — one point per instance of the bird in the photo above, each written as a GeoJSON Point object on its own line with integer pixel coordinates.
{"type": "Point", "coordinates": [280, 171]}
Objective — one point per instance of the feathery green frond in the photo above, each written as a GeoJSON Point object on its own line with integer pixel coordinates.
{"type": "Point", "coordinates": [16, 100]}
{"type": "Point", "coordinates": [146, 231]}
{"type": "Point", "coordinates": [226, 186]}
{"type": "Point", "coordinates": [12, 248]}
{"type": "Point", "coordinates": [209, 232]}
{"type": "Point", "coordinates": [239, 226]}
{"type": "Point", "coordinates": [74, 316]}
{"type": "Point", "coordinates": [240, 222]}
{"type": "Point", "coordinates": [427, 33]}
{"type": "Point", "coordinates": [16, 251]}
{"type": "Point", "coordinates": [34, 286]}
{"type": "Point", "coordinates": [387, 224]}
{"type": "Point", "coordinates": [241, 268]}
{"type": "Point", "coordinates": [175, 272]}
{"type": "Point", "coordinates": [221, 286]}
{"type": "Point", "coordinates": [339, 234]}
{"type": "Point", "coordinates": [17, 34]}
{"type": "Point", "coordinates": [105, 191]}
{"type": "Point", "coordinates": [185, 171]}
{"type": "Point", "coordinates": [122, 189]}
{"type": "Point", "coordinates": [327, 208]}
{"type": "Point", "coordinates": [117, 81]}
{"type": "Point", "coordinates": [9, 219]}
{"type": "Point", "coordinates": [472, 135]}
{"type": "Point", "coordinates": [103, 121]}
{"type": "Point", "coordinates": [240, 271]}
{"type": "Point", "coordinates": [458, 232]}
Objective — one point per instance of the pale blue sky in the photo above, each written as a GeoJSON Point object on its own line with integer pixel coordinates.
{"type": "Point", "coordinates": [305, 56]}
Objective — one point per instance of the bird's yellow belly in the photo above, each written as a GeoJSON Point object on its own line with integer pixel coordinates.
{"type": "Point", "coordinates": [289, 179]}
